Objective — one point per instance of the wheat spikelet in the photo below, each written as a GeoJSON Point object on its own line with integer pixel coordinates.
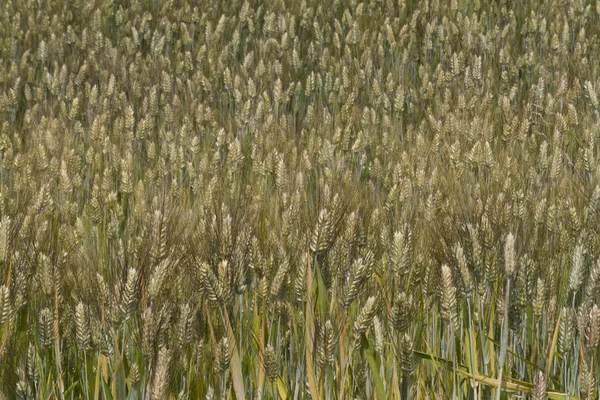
{"type": "Point", "coordinates": [184, 332]}
{"type": "Point", "coordinates": [224, 280]}
{"type": "Point", "coordinates": [128, 295]}
{"type": "Point", "coordinates": [82, 335]}
{"type": "Point", "coordinates": [6, 308]}
{"type": "Point", "coordinates": [406, 356]}
{"type": "Point", "coordinates": [279, 279]}
{"type": "Point", "coordinates": [448, 303]}
{"type": "Point", "coordinates": [159, 232]}
{"type": "Point", "coordinates": [378, 334]}
{"type": "Point", "coordinates": [517, 300]}
{"type": "Point", "coordinates": [263, 288]}
{"type": "Point", "coordinates": [401, 312]}
{"type": "Point", "coordinates": [212, 287]}
{"type": "Point", "coordinates": [126, 176]}
{"type": "Point", "coordinates": [576, 275]}
{"type": "Point", "coordinates": [23, 391]}
{"type": "Point", "coordinates": [400, 253]}
{"type": "Point", "coordinates": [134, 374]}
{"type": "Point", "coordinates": [566, 330]}
{"type": "Point", "coordinates": [592, 332]}
{"type": "Point", "coordinates": [359, 272]}
{"type": "Point", "coordinates": [364, 319]}
{"type": "Point", "coordinates": [463, 269]}
{"type": "Point", "coordinates": [222, 356]}
{"type": "Point", "coordinates": [539, 299]}
{"type": "Point", "coordinates": [321, 236]}
{"type": "Point", "coordinates": [4, 238]}
{"type": "Point", "coordinates": [45, 324]}
{"type": "Point", "coordinates": [539, 386]}
{"type": "Point", "coordinates": [32, 369]}
{"type": "Point", "coordinates": [325, 344]}
{"type": "Point", "coordinates": [510, 258]}
{"type": "Point", "coordinates": [158, 277]}
{"type": "Point", "coordinates": [160, 381]}
{"type": "Point", "coordinates": [271, 362]}
{"type": "Point", "coordinates": [587, 381]}
{"type": "Point", "coordinates": [149, 332]}
{"type": "Point", "coordinates": [300, 281]}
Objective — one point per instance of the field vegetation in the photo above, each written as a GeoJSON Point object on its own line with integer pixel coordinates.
{"type": "Point", "coordinates": [377, 199]}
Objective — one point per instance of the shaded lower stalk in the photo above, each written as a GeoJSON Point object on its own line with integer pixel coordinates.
{"type": "Point", "coordinates": [473, 383]}
{"type": "Point", "coordinates": [453, 344]}
{"type": "Point", "coordinates": [503, 340]}
{"type": "Point", "coordinates": [405, 386]}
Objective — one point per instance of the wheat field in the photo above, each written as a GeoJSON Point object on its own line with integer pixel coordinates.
{"type": "Point", "coordinates": [295, 199]}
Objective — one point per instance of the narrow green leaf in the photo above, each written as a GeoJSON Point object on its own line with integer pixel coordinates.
{"type": "Point", "coordinates": [379, 387]}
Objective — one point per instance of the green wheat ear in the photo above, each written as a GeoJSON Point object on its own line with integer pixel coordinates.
{"type": "Point", "coordinates": [271, 363]}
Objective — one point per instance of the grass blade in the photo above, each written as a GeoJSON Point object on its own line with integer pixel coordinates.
{"type": "Point", "coordinates": [308, 335]}
{"type": "Point", "coordinates": [379, 387]}
{"type": "Point", "coordinates": [236, 362]}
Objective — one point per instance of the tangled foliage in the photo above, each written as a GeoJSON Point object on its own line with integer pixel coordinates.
{"type": "Point", "coordinates": [296, 199]}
